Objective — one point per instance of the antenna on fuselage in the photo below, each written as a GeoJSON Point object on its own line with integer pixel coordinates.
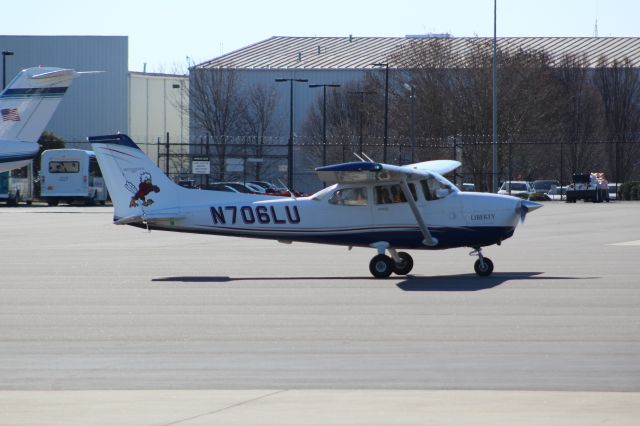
{"type": "Point", "coordinates": [368, 158]}
{"type": "Point", "coordinates": [359, 158]}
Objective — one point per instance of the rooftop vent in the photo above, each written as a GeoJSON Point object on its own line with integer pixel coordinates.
{"type": "Point", "coordinates": [429, 35]}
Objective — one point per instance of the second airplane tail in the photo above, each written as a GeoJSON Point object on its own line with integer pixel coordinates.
{"type": "Point", "coordinates": [29, 101]}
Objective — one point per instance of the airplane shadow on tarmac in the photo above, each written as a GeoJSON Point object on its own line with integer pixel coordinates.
{"type": "Point", "coordinates": [470, 282]}
{"type": "Point", "coordinates": [461, 282]}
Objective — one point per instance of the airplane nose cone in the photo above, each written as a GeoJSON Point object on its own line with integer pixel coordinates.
{"type": "Point", "coordinates": [531, 205]}
{"type": "Point", "coordinates": [526, 206]}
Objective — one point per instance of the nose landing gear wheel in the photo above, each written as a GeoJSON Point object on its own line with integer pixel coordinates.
{"type": "Point", "coordinates": [483, 267]}
{"type": "Point", "coordinates": [406, 266]}
{"type": "Point", "coordinates": [381, 266]}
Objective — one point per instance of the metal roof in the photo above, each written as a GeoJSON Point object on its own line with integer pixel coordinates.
{"type": "Point", "coordinates": [361, 52]}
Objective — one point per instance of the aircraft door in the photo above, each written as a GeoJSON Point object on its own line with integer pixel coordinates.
{"type": "Point", "coordinates": [390, 206]}
{"type": "Point", "coordinates": [351, 205]}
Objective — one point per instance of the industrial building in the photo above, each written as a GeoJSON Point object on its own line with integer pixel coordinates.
{"type": "Point", "coordinates": [344, 60]}
{"type": "Point", "coordinates": [95, 103]}
{"type": "Point", "coordinates": [147, 106]}
{"type": "Point", "coordinates": [157, 110]}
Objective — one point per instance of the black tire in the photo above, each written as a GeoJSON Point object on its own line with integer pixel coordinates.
{"type": "Point", "coordinates": [405, 267]}
{"type": "Point", "coordinates": [483, 271]}
{"type": "Point", "coordinates": [52, 201]}
{"type": "Point", "coordinates": [381, 266]}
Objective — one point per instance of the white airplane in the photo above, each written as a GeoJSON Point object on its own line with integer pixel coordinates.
{"type": "Point", "coordinates": [26, 106]}
{"type": "Point", "coordinates": [369, 205]}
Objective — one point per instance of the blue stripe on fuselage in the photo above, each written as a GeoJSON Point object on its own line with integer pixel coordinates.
{"type": "Point", "coordinates": [478, 236]}
{"type": "Point", "coordinates": [34, 91]}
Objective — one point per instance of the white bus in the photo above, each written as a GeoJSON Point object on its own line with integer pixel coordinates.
{"type": "Point", "coordinates": [71, 175]}
{"type": "Point", "coordinates": [17, 185]}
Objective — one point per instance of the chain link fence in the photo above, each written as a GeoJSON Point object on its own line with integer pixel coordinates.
{"type": "Point", "coordinates": [243, 158]}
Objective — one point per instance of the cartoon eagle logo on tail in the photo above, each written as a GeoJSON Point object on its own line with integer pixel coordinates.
{"type": "Point", "coordinates": [145, 187]}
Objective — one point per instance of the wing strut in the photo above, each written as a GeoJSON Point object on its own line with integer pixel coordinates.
{"type": "Point", "coordinates": [429, 240]}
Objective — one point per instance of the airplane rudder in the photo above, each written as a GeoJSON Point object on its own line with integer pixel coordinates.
{"type": "Point", "coordinates": [131, 177]}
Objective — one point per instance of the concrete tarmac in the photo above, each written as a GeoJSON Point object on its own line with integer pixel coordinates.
{"type": "Point", "coordinates": [100, 313]}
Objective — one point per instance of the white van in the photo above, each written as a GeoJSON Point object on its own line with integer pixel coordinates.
{"type": "Point", "coordinates": [17, 185]}
{"type": "Point", "coordinates": [71, 175]}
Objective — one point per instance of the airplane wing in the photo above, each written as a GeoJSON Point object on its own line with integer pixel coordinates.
{"type": "Point", "coordinates": [366, 172]}
{"type": "Point", "coordinates": [441, 167]}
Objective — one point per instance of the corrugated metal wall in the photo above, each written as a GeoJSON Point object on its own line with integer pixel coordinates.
{"type": "Point", "coordinates": [96, 103]}
{"type": "Point", "coordinates": [158, 105]}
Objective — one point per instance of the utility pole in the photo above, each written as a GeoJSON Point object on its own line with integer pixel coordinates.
{"type": "Point", "coordinates": [386, 107]}
{"type": "Point", "coordinates": [494, 140]}
{"type": "Point", "coordinates": [290, 146]}
{"type": "Point", "coordinates": [324, 118]}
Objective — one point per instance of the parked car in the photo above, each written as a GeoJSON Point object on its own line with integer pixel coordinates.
{"type": "Point", "coordinates": [267, 186]}
{"type": "Point", "coordinates": [239, 187]}
{"type": "Point", "coordinates": [516, 187]}
{"type": "Point", "coordinates": [586, 187]}
{"type": "Point", "coordinates": [557, 193]}
{"type": "Point", "coordinates": [544, 186]}
{"type": "Point", "coordinates": [217, 187]}
{"type": "Point", "coordinates": [467, 186]}
{"type": "Point", "coordinates": [255, 187]}
{"type": "Point", "coordinates": [613, 188]}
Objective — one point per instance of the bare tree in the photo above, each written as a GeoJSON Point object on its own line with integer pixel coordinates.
{"type": "Point", "coordinates": [349, 123]}
{"type": "Point", "coordinates": [216, 108]}
{"type": "Point", "coordinates": [580, 116]}
{"type": "Point", "coordinates": [619, 87]}
{"type": "Point", "coordinates": [258, 120]}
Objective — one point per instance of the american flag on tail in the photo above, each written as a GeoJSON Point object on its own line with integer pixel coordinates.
{"type": "Point", "coordinates": [10, 114]}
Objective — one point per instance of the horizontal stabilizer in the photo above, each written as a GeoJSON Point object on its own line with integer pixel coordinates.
{"type": "Point", "coordinates": [67, 73]}
{"type": "Point", "coordinates": [164, 216]}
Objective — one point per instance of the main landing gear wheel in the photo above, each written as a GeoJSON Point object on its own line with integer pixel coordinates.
{"type": "Point", "coordinates": [405, 266]}
{"type": "Point", "coordinates": [381, 266]}
{"type": "Point", "coordinates": [483, 267]}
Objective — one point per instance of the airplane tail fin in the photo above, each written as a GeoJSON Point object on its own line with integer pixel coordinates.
{"type": "Point", "coordinates": [139, 189]}
{"type": "Point", "coordinates": [29, 101]}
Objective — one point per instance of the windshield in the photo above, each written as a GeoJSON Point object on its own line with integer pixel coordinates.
{"type": "Point", "coordinates": [320, 194]}
{"type": "Point", "coordinates": [436, 187]}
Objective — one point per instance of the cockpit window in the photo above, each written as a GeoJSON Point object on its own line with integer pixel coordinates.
{"type": "Point", "coordinates": [350, 197]}
{"type": "Point", "coordinates": [436, 189]}
{"type": "Point", "coordinates": [389, 194]}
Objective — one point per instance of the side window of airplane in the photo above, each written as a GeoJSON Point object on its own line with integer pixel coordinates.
{"type": "Point", "coordinates": [390, 194]}
{"type": "Point", "coordinates": [349, 197]}
{"type": "Point", "coordinates": [434, 189]}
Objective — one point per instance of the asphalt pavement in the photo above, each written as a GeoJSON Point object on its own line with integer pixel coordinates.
{"type": "Point", "coordinates": [95, 316]}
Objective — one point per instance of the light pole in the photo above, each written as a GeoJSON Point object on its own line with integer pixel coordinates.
{"type": "Point", "coordinates": [494, 112]}
{"type": "Point", "coordinates": [5, 53]}
{"type": "Point", "coordinates": [386, 107]}
{"type": "Point", "coordinates": [412, 130]}
{"type": "Point", "coordinates": [290, 159]}
{"type": "Point", "coordinates": [362, 94]}
{"type": "Point", "coordinates": [177, 86]}
{"type": "Point", "coordinates": [324, 118]}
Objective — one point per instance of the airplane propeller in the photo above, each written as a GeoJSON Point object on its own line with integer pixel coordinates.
{"type": "Point", "coordinates": [526, 206]}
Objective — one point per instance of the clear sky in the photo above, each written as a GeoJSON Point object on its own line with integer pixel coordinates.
{"type": "Point", "coordinates": [163, 33]}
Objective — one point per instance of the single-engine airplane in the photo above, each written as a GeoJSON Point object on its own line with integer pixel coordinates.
{"type": "Point", "coordinates": [369, 204]}
{"type": "Point", "coordinates": [26, 105]}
